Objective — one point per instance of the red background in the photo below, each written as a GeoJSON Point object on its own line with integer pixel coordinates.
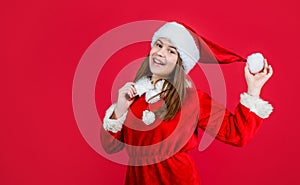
{"type": "Point", "coordinates": [43, 41]}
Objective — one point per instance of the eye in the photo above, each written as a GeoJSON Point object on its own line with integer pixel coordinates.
{"type": "Point", "coordinates": [158, 45]}
{"type": "Point", "coordinates": [172, 51]}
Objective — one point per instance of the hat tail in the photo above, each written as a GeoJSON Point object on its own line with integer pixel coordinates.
{"type": "Point", "coordinates": [211, 52]}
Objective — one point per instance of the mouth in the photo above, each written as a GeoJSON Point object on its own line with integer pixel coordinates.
{"type": "Point", "coordinates": [158, 62]}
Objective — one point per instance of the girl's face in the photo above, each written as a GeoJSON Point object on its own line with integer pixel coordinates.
{"type": "Point", "coordinates": [162, 59]}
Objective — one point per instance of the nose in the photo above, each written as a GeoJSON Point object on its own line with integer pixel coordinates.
{"type": "Point", "coordinates": [161, 52]}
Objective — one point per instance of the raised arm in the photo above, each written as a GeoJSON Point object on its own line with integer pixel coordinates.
{"type": "Point", "coordinates": [239, 127]}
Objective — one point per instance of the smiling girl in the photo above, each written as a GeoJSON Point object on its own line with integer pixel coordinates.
{"type": "Point", "coordinates": [157, 116]}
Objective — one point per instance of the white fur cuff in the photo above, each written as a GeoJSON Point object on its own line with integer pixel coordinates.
{"type": "Point", "coordinates": [260, 107]}
{"type": "Point", "coordinates": [113, 125]}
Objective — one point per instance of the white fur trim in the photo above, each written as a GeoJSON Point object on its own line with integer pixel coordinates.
{"type": "Point", "coordinates": [113, 125]}
{"type": "Point", "coordinates": [255, 62]}
{"type": "Point", "coordinates": [182, 39]}
{"type": "Point", "coordinates": [155, 91]}
{"type": "Point", "coordinates": [159, 85]}
{"type": "Point", "coordinates": [150, 94]}
{"type": "Point", "coordinates": [148, 117]}
{"type": "Point", "coordinates": [260, 107]}
{"type": "Point", "coordinates": [143, 85]}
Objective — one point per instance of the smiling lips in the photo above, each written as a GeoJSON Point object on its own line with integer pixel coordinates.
{"type": "Point", "coordinates": [157, 61]}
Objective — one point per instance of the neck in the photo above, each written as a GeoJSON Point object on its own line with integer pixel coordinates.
{"type": "Point", "coordinates": [155, 78]}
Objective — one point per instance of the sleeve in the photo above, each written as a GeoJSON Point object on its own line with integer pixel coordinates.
{"type": "Point", "coordinates": [233, 128]}
{"type": "Point", "coordinates": [111, 134]}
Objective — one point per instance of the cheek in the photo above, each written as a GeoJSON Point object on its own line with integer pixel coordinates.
{"type": "Point", "coordinates": [172, 64]}
{"type": "Point", "coordinates": [152, 50]}
{"type": "Point", "coordinates": [173, 61]}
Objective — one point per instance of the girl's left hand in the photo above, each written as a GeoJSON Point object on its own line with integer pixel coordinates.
{"type": "Point", "coordinates": [256, 81]}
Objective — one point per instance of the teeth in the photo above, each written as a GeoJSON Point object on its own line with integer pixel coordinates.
{"type": "Point", "coordinates": [157, 62]}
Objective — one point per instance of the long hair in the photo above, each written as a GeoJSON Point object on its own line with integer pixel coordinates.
{"type": "Point", "coordinates": [174, 89]}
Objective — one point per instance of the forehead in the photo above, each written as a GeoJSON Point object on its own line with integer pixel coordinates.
{"type": "Point", "coordinates": [165, 42]}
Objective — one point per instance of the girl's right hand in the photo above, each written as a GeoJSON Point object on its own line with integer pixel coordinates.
{"type": "Point", "coordinates": [125, 99]}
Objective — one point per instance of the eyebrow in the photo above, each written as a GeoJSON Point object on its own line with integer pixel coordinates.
{"type": "Point", "coordinates": [167, 44]}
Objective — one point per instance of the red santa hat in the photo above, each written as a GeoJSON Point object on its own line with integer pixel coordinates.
{"type": "Point", "coordinates": [193, 48]}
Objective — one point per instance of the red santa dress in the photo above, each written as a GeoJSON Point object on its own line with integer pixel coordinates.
{"type": "Point", "coordinates": [158, 152]}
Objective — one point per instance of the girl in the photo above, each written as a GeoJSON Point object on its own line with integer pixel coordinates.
{"type": "Point", "coordinates": [156, 117]}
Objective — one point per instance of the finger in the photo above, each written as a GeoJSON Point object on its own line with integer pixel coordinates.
{"type": "Point", "coordinates": [133, 89]}
{"type": "Point", "coordinates": [247, 71]}
{"type": "Point", "coordinates": [127, 86]}
{"type": "Point", "coordinates": [270, 71]}
{"type": "Point", "coordinates": [130, 84]}
{"type": "Point", "coordinates": [266, 62]}
{"type": "Point", "coordinates": [128, 95]}
{"type": "Point", "coordinates": [127, 92]}
{"type": "Point", "coordinates": [265, 66]}
{"type": "Point", "coordinates": [132, 93]}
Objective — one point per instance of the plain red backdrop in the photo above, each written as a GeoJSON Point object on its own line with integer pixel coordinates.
{"type": "Point", "coordinates": [43, 41]}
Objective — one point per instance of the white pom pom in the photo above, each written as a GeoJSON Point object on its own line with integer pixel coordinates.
{"type": "Point", "coordinates": [255, 62]}
{"type": "Point", "coordinates": [148, 117]}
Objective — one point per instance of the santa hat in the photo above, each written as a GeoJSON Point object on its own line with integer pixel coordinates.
{"type": "Point", "coordinates": [193, 48]}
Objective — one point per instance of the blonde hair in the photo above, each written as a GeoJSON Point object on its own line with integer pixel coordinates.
{"type": "Point", "coordinates": [174, 89]}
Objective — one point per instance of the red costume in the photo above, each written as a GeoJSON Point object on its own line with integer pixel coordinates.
{"type": "Point", "coordinates": [158, 152]}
